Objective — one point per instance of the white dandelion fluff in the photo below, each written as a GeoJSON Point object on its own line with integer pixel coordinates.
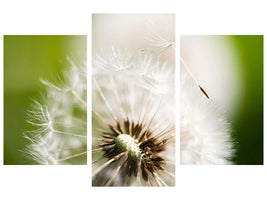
{"type": "Point", "coordinates": [133, 102]}
{"type": "Point", "coordinates": [204, 132]}
{"type": "Point", "coordinates": [60, 120]}
{"type": "Point", "coordinates": [160, 32]}
{"type": "Point", "coordinates": [133, 123]}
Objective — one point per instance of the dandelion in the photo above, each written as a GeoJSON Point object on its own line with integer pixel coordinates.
{"type": "Point", "coordinates": [133, 120]}
{"type": "Point", "coordinates": [60, 120]}
{"type": "Point", "coordinates": [204, 131]}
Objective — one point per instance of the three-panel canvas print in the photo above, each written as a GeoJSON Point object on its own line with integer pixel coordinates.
{"type": "Point", "coordinates": [145, 101]}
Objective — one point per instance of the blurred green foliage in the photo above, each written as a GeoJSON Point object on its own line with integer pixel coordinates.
{"type": "Point", "coordinates": [248, 126]}
{"type": "Point", "coordinates": [27, 59]}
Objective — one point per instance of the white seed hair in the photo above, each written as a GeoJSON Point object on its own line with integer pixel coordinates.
{"type": "Point", "coordinates": [205, 136]}
{"type": "Point", "coordinates": [133, 93]}
{"type": "Point", "coordinates": [59, 120]}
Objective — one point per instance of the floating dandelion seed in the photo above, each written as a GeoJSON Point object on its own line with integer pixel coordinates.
{"type": "Point", "coordinates": [204, 132]}
{"type": "Point", "coordinates": [163, 34]}
{"type": "Point", "coordinates": [60, 123]}
{"type": "Point", "coordinates": [133, 113]}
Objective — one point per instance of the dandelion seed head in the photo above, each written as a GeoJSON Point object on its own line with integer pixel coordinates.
{"type": "Point", "coordinates": [205, 133]}
{"type": "Point", "coordinates": [129, 114]}
{"type": "Point", "coordinates": [113, 59]}
{"type": "Point", "coordinates": [59, 120]}
{"type": "Point", "coordinates": [126, 143]}
{"type": "Point", "coordinates": [133, 103]}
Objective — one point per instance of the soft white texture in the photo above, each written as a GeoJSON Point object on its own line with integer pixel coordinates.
{"type": "Point", "coordinates": [133, 79]}
{"type": "Point", "coordinates": [59, 121]}
{"type": "Point", "coordinates": [141, 96]}
{"type": "Point", "coordinates": [205, 134]}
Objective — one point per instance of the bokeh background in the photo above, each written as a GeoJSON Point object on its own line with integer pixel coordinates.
{"type": "Point", "coordinates": [27, 59]}
{"type": "Point", "coordinates": [248, 125]}
{"type": "Point", "coordinates": [230, 68]}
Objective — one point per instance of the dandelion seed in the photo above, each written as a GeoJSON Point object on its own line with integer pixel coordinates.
{"type": "Point", "coordinates": [204, 132]}
{"type": "Point", "coordinates": [162, 37]}
{"type": "Point", "coordinates": [59, 121]}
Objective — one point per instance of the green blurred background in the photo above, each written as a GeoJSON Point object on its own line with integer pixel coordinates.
{"type": "Point", "coordinates": [27, 59]}
{"type": "Point", "coordinates": [248, 125]}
